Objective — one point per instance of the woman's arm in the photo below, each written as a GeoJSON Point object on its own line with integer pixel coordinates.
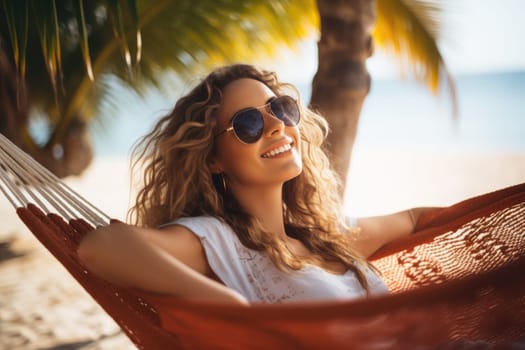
{"type": "Point", "coordinates": [171, 261]}
{"type": "Point", "coordinates": [376, 231]}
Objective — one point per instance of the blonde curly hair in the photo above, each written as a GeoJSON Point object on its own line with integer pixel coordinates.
{"type": "Point", "coordinates": [178, 182]}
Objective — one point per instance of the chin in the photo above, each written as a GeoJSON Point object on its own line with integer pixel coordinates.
{"type": "Point", "coordinates": [295, 173]}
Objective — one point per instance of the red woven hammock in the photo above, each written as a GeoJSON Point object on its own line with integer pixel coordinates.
{"type": "Point", "coordinates": [457, 283]}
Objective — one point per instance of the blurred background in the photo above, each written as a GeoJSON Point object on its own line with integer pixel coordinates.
{"type": "Point", "coordinates": [443, 118]}
{"type": "Point", "coordinates": [411, 147]}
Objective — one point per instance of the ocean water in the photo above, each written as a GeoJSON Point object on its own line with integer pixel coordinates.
{"type": "Point", "coordinates": [398, 114]}
{"type": "Point", "coordinates": [490, 115]}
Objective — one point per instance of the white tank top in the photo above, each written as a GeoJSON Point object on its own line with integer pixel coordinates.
{"type": "Point", "coordinates": [253, 274]}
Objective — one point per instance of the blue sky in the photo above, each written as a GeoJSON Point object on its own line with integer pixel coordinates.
{"type": "Point", "coordinates": [477, 36]}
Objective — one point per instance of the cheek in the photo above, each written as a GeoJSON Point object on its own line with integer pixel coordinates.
{"type": "Point", "coordinates": [296, 135]}
{"type": "Point", "coordinates": [235, 157]}
{"type": "Point", "coordinates": [229, 148]}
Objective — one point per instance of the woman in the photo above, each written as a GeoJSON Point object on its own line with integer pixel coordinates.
{"type": "Point", "coordinates": [239, 204]}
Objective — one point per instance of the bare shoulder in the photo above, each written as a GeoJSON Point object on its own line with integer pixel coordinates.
{"type": "Point", "coordinates": [181, 243]}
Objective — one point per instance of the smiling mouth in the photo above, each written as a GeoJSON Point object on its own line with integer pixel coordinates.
{"type": "Point", "coordinates": [277, 151]}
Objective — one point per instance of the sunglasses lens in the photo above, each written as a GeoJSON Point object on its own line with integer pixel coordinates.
{"type": "Point", "coordinates": [285, 108]}
{"type": "Point", "coordinates": [248, 125]}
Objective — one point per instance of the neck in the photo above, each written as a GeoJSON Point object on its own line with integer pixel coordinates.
{"type": "Point", "coordinates": [265, 204]}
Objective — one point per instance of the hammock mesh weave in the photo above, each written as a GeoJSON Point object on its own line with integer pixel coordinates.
{"type": "Point", "coordinates": [458, 283]}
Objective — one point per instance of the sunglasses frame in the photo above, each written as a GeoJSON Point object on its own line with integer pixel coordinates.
{"type": "Point", "coordinates": [231, 127]}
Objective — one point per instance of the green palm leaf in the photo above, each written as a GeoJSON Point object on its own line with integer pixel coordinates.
{"type": "Point", "coordinates": [84, 40]}
{"type": "Point", "coordinates": [46, 22]}
{"type": "Point", "coordinates": [188, 38]}
{"type": "Point", "coordinates": [183, 36]}
{"type": "Point", "coordinates": [16, 16]}
{"type": "Point", "coordinates": [410, 30]}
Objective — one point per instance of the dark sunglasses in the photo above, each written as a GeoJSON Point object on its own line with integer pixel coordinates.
{"type": "Point", "coordinates": [248, 124]}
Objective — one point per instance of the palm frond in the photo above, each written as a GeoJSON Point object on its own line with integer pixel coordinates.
{"type": "Point", "coordinates": [410, 30]}
{"type": "Point", "coordinates": [46, 21]}
{"type": "Point", "coordinates": [133, 11]}
{"type": "Point", "coordinates": [84, 40]}
{"type": "Point", "coordinates": [183, 36]}
{"type": "Point", "coordinates": [16, 17]}
{"type": "Point", "coordinates": [188, 37]}
{"type": "Point", "coordinates": [120, 31]}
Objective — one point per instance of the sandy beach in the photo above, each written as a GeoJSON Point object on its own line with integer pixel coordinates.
{"type": "Point", "coordinates": [42, 307]}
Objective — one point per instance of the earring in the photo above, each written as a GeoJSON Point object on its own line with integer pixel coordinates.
{"type": "Point", "coordinates": [223, 180]}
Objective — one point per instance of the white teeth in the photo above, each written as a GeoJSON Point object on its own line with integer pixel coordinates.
{"type": "Point", "coordinates": [277, 151]}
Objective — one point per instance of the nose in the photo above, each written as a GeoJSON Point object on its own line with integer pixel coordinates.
{"type": "Point", "coordinates": [272, 125]}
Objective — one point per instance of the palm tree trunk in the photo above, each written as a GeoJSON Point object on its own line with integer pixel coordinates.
{"type": "Point", "coordinates": [342, 81]}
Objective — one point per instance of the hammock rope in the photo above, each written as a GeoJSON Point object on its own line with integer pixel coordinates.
{"type": "Point", "coordinates": [457, 283]}
{"type": "Point", "coordinates": [32, 176]}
